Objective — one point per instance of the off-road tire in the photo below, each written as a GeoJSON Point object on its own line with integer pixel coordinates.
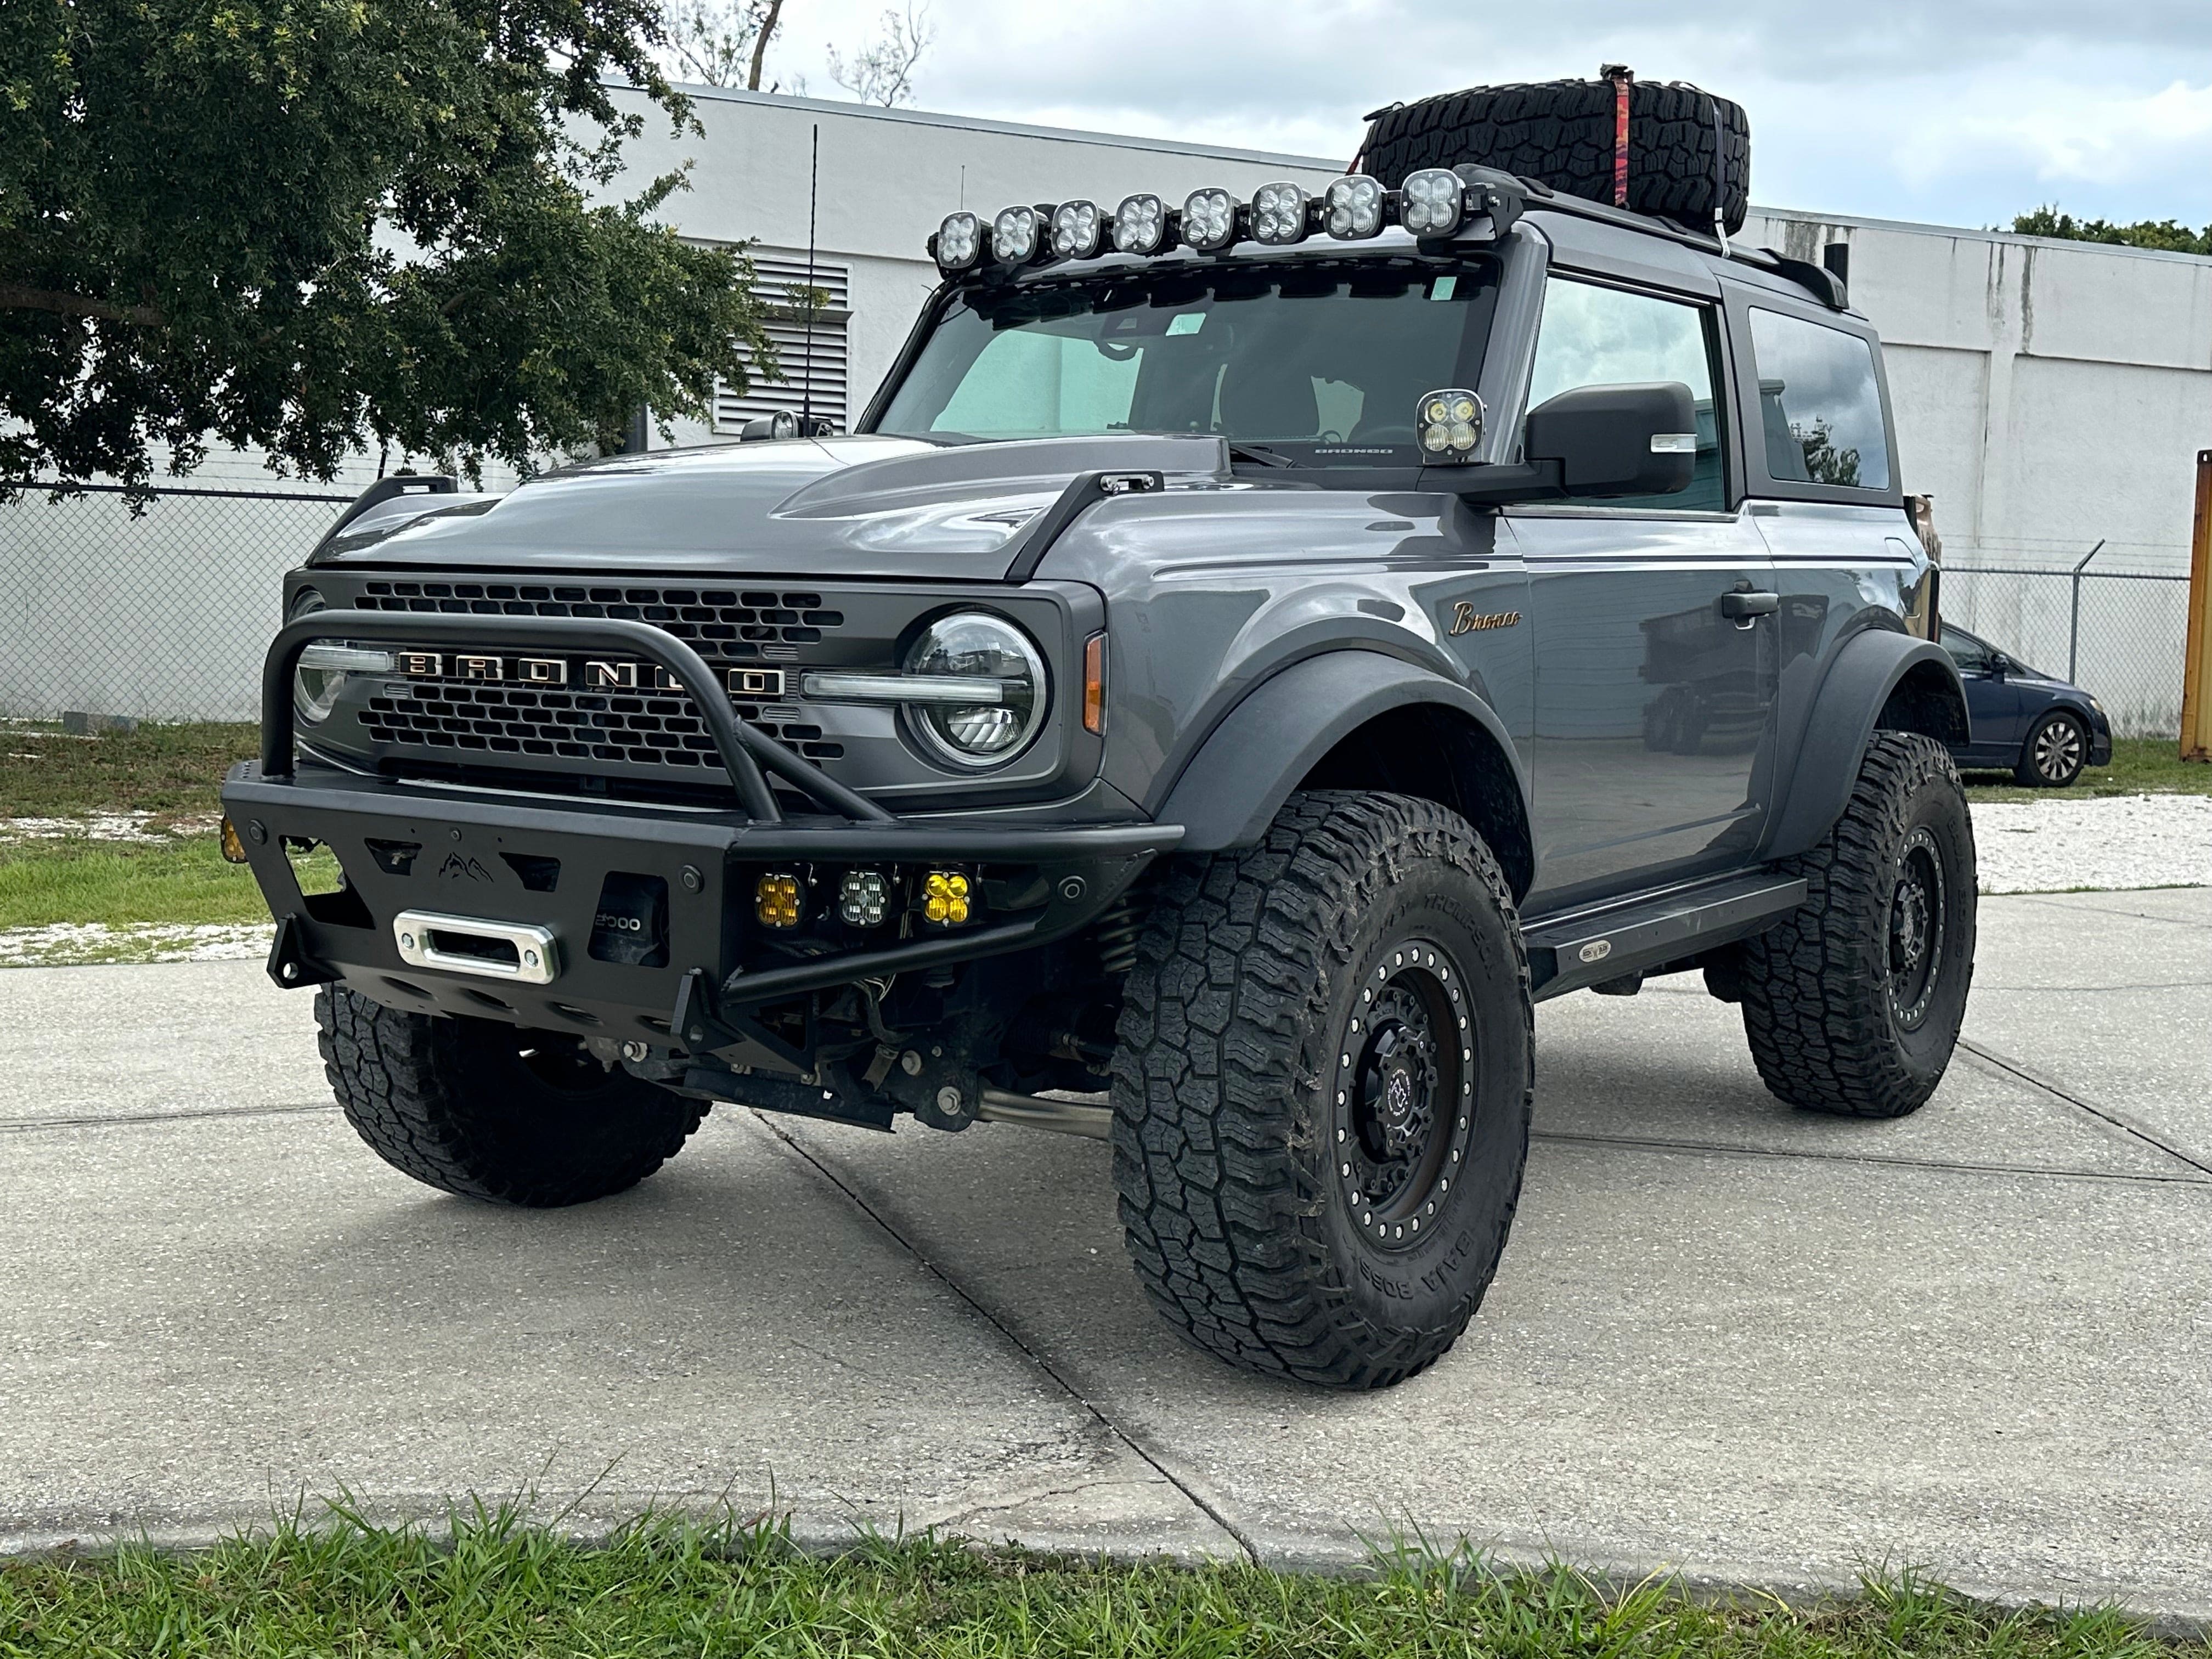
{"type": "Point", "coordinates": [1561, 133]}
{"type": "Point", "coordinates": [1822, 991]}
{"type": "Point", "coordinates": [1235, 1035]}
{"type": "Point", "coordinates": [2064, 758]}
{"type": "Point", "coordinates": [454, 1104]}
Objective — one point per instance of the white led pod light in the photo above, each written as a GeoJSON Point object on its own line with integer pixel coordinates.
{"type": "Point", "coordinates": [1432, 202]}
{"type": "Point", "coordinates": [1078, 230]}
{"type": "Point", "coordinates": [1209, 220]}
{"type": "Point", "coordinates": [1352, 206]}
{"type": "Point", "coordinates": [1279, 215]}
{"type": "Point", "coordinates": [1140, 225]}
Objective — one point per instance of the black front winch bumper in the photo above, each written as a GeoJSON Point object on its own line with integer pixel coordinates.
{"type": "Point", "coordinates": [435, 850]}
{"type": "Point", "coordinates": [611, 917]}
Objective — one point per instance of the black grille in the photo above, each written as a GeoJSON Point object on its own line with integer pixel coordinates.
{"type": "Point", "coordinates": [644, 728]}
{"type": "Point", "coordinates": [720, 623]}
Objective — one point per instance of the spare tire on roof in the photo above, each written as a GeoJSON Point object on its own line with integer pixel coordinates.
{"type": "Point", "coordinates": [1561, 133]}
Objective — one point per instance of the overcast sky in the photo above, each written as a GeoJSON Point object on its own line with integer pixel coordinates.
{"type": "Point", "coordinates": [1960, 112]}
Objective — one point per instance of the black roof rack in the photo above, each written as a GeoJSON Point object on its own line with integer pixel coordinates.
{"type": "Point", "coordinates": [1819, 280]}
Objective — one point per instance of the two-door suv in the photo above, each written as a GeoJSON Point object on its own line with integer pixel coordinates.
{"type": "Point", "coordinates": [1249, 652]}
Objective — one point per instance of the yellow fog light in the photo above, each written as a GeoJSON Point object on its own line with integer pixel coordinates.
{"type": "Point", "coordinates": [233, 850]}
{"type": "Point", "coordinates": [944, 898]}
{"type": "Point", "coordinates": [775, 901]}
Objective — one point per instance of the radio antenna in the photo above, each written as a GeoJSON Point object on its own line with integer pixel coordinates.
{"type": "Point", "coordinates": [813, 296]}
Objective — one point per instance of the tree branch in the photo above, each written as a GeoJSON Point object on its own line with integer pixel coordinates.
{"type": "Point", "coordinates": [769, 18]}
{"type": "Point", "coordinates": [13, 298]}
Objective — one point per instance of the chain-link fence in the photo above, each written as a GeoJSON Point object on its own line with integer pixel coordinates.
{"type": "Point", "coordinates": [162, 614]}
{"type": "Point", "coordinates": [2120, 634]}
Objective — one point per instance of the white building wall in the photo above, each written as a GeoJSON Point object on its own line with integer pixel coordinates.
{"type": "Point", "coordinates": [2047, 394]}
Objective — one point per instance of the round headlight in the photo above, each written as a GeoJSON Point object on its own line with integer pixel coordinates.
{"type": "Point", "coordinates": [1432, 202]}
{"type": "Point", "coordinates": [1278, 213]}
{"type": "Point", "coordinates": [1209, 220]}
{"type": "Point", "coordinates": [1140, 225]}
{"type": "Point", "coordinates": [314, 690]}
{"type": "Point", "coordinates": [1014, 235]}
{"type": "Point", "coordinates": [995, 696]}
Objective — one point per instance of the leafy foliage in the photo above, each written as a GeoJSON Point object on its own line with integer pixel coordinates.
{"type": "Point", "coordinates": [1824, 462]}
{"type": "Point", "coordinates": [2170, 235]}
{"type": "Point", "coordinates": [320, 226]}
{"type": "Point", "coordinates": [882, 70]}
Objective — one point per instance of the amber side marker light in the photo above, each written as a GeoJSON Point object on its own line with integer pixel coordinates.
{"type": "Point", "coordinates": [1094, 684]}
{"type": "Point", "coordinates": [233, 850]}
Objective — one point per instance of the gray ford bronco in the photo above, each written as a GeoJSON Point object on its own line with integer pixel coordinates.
{"type": "Point", "coordinates": [1247, 653]}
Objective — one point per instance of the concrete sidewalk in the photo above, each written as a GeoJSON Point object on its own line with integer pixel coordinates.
{"type": "Point", "coordinates": [1726, 1338]}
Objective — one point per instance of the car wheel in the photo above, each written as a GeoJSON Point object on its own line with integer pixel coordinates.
{"type": "Point", "coordinates": [1853, 1003]}
{"type": "Point", "coordinates": [1322, 1088]}
{"type": "Point", "coordinates": [2054, 752]}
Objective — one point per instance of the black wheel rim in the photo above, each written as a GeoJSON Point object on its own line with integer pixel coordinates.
{"type": "Point", "coordinates": [2057, 753]}
{"type": "Point", "coordinates": [1918, 915]}
{"type": "Point", "coordinates": [1404, 1093]}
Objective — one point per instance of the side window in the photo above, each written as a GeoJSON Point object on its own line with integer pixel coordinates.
{"type": "Point", "coordinates": [1972, 656]}
{"type": "Point", "coordinates": [1594, 336]}
{"type": "Point", "coordinates": [1818, 404]}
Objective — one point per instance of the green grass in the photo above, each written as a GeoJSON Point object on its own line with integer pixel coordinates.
{"type": "Point", "coordinates": [492, 1586]}
{"type": "Point", "coordinates": [171, 771]}
{"type": "Point", "coordinates": [119, 883]}
{"type": "Point", "coordinates": [2141, 766]}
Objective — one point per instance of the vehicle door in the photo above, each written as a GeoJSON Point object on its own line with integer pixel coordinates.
{"type": "Point", "coordinates": [1654, 620]}
{"type": "Point", "coordinates": [1822, 469]}
{"type": "Point", "coordinates": [1993, 702]}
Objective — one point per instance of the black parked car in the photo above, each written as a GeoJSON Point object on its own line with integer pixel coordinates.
{"type": "Point", "coordinates": [2043, 728]}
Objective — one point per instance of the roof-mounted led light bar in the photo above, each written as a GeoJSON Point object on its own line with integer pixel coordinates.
{"type": "Point", "coordinates": [1433, 203]}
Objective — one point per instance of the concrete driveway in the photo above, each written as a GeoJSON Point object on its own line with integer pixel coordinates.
{"type": "Point", "coordinates": [1726, 1338]}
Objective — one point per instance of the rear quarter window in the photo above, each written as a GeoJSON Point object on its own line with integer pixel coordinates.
{"type": "Point", "coordinates": [1819, 405]}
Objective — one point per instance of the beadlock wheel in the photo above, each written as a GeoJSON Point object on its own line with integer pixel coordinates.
{"type": "Point", "coordinates": [1321, 1090]}
{"type": "Point", "coordinates": [1405, 1090]}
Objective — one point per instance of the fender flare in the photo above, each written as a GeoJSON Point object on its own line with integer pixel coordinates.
{"type": "Point", "coordinates": [1232, 788]}
{"type": "Point", "coordinates": [1867, 668]}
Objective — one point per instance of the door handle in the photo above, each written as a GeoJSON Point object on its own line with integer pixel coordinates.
{"type": "Point", "coordinates": [1744, 608]}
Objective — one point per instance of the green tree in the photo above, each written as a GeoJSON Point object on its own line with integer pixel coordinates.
{"type": "Point", "coordinates": [319, 227]}
{"type": "Point", "coordinates": [2170, 235]}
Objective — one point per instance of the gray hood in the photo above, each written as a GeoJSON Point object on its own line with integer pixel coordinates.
{"type": "Point", "coordinates": [855, 506]}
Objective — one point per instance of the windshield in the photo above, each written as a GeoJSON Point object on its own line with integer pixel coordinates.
{"type": "Point", "coordinates": [1313, 365]}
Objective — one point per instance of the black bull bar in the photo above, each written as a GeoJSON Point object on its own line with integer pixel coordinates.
{"type": "Point", "coordinates": [1070, 874]}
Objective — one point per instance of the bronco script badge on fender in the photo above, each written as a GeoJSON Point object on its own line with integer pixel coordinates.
{"type": "Point", "coordinates": [1466, 620]}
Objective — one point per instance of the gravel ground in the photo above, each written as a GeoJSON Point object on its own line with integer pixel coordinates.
{"type": "Point", "coordinates": [70, 943]}
{"type": "Point", "coordinates": [2059, 845]}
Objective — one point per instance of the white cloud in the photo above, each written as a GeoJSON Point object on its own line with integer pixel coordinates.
{"type": "Point", "coordinates": [1966, 112]}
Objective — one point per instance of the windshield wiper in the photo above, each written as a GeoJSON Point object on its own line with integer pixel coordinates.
{"type": "Point", "coordinates": [1257, 454]}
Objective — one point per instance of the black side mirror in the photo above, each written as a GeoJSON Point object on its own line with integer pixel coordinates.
{"type": "Point", "coordinates": [1637, 440]}
{"type": "Point", "coordinates": [2000, 664]}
